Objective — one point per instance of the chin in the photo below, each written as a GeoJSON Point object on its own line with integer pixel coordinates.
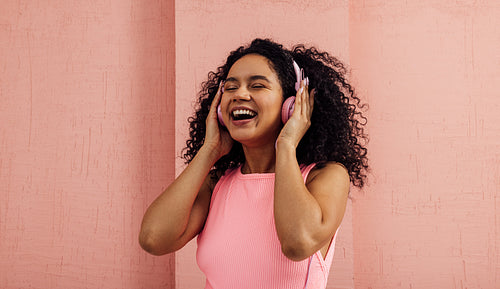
{"type": "Point", "coordinates": [253, 140]}
{"type": "Point", "coordinates": [242, 138]}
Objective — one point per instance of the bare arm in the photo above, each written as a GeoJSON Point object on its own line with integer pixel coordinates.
{"type": "Point", "coordinates": [306, 215]}
{"type": "Point", "coordinates": [179, 213]}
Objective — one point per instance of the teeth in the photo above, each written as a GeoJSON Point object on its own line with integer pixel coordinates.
{"type": "Point", "coordinates": [239, 112]}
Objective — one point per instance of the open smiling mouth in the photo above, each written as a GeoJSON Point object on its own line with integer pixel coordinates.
{"type": "Point", "coordinates": [243, 114]}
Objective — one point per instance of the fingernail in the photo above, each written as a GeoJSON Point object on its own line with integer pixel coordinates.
{"type": "Point", "coordinates": [301, 89]}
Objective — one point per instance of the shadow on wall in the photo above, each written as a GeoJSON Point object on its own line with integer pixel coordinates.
{"type": "Point", "coordinates": [153, 85]}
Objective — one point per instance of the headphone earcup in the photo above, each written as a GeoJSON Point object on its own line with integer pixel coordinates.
{"type": "Point", "coordinates": [287, 109]}
{"type": "Point", "coordinates": [219, 116]}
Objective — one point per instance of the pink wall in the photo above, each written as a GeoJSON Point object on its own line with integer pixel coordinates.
{"type": "Point", "coordinates": [92, 127]}
{"type": "Point", "coordinates": [430, 71]}
{"type": "Point", "coordinates": [86, 141]}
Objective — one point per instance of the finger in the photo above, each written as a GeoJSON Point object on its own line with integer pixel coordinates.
{"type": "Point", "coordinates": [212, 113]}
{"type": "Point", "coordinates": [305, 99]}
{"type": "Point", "coordinates": [217, 96]}
{"type": "Point", "coordinates": [311, 99]}
{"type": "Point", "coordinates": [298, 100]}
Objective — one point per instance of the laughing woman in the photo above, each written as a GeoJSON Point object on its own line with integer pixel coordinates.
{"type": "Point", "coordinates": [274, 145]}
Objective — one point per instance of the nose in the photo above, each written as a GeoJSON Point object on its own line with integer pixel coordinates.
{"type": "Point", "coordinates": [241, 93]}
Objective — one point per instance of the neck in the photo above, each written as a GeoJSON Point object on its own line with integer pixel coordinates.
{"type": "Point", "coordinates": [259, 159]}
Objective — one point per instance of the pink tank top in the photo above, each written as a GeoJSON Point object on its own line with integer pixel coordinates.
{"type": "Point", "coordinates": [239, 246]}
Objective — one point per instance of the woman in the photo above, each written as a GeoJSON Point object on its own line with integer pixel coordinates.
{"type": "Point", "coordinates": [268, 178]}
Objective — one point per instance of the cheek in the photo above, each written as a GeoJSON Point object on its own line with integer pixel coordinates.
{"type": "Point", "coordinates": [278, 102]}
{"type": "Point", "coordinates": [275, 107]}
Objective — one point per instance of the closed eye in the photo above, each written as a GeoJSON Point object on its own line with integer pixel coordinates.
{"type": "Point", "coordinates": [258, 86]}
{"type": "Point", "coordinates": [255, 86]}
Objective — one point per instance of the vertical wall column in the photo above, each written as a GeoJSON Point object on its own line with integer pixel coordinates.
{"type": "Point", "coordinates": [87, 140]}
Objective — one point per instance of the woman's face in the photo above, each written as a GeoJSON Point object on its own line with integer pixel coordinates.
{"type": "Point", "coordinates": [251, 102]}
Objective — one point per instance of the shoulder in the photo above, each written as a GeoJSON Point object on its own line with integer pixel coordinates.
{"type": "Point", "coordinates": [332, 175]}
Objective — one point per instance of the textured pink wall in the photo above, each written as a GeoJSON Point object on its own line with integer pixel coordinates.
{"type": "Point", "coordinates": [86, 141]}
{"type": "Point", "coordinates": [205, 33]}
{"type": "Point", "coordinates": [430, 70]}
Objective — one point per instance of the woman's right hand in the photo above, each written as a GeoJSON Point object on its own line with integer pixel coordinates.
{"type": "Point", "coordinates": [217, 139]}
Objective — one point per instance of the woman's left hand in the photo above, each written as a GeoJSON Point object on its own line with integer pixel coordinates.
{"type": "Point", "coordinates": [300, 121]}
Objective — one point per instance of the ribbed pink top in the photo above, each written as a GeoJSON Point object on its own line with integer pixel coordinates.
{"type": "Point", "coordinates": [239, 246]}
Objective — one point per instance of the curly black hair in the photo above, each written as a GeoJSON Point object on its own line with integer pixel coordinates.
{"type": "Point", "coordinates": [337, 122]}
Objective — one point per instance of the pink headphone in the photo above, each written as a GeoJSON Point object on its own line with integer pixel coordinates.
{"type": "Point", "coordinates": [288, 105]}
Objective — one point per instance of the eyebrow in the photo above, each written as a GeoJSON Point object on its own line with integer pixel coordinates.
{"type": "Point", "coordinates": [251, 78]}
